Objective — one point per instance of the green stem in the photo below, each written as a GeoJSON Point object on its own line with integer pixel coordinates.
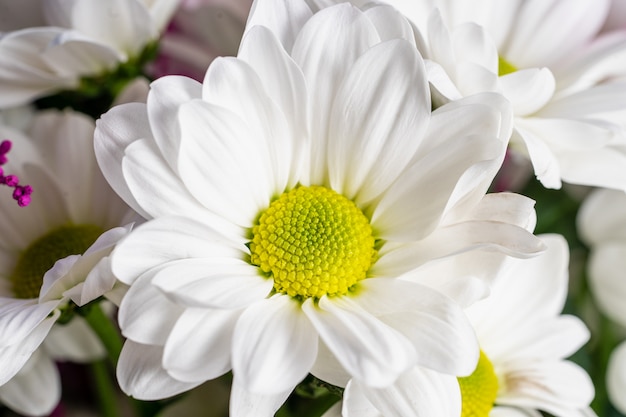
{"type": "Point", "coordinates": [105, 390]}
{"type": "Point", "coordinates": [106, 331]}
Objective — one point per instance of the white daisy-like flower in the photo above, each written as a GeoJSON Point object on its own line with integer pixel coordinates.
{"type": "Point", "coordinates": [57, 42]}
{"type": "Point", "coordinates": [53, 250]}
{"type": "Point", "coordinates": [524, 341]}
{"type": "Point", "coordinates": [564, 79]}
{"type": "Point", "coordinates": [288, 194]}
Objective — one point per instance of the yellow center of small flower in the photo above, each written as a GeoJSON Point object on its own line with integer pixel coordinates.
{"type": "Point", "coordinates": [479, 390]}
{"type": "Point", "coordinates": [313, 242]}
{"type": "Point", "coordinates": [41, 255]}
{"type": "Point", "coordinates": [505, 67]}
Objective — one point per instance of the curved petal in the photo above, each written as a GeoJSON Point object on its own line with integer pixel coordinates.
{"type": "Point", "coordinates": [376, 125]}
{"type": "Point", "coordinates": [233, 84]}
{"type": "Point", "coordinates": [20, 317]}
{"type": "Point", "coordinates": [115, 131]}
{"type": "Point", "coordinates": [437, 327]}
{"type": "Point", "coordinates": [13, 357]}
{"type": "Point", "coordinates": [36, 389]}
{"type": "Point", "coordinates": [74, 341]}
{"type": "Point", "coordinates": [145, 314]}
{"type": "Point", "coordinates": [140, 374]}
{"type": "Point", "coordinates": [160, 241]}
{"type": "Point", "coordinates": [213, 283]}
{"type": "Point", "coordinates": [325, 49]}
{"type": "Point", "coordinates": [199, 346]}
{"type": "Point", "coordinates": [274, 346]}
{"type": "Point", "coordinates": [455, 239]}
{"type": "Point", "coordinates": [559, 388]}
{"type": "Point", "coordinates": [284, 18]}
{"type": "Point", "coordinates": [244, 403]}
{"type": "Point", "coordinates": [165, 97]}
{"type": "Point", "coordinates": [285, 85]}
{"type": "Point", "coordinates": [418, 392]}
{"type": "Point", "coordinates": [601, 217]}
{"type": "Point", "coordinates": [528, 90]}
{"type": "Point", "coordinates": [368, 349]}
{"type": "Point", "coordinates": [223, 164]}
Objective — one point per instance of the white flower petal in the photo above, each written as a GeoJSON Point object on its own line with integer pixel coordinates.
{"type": "Point", "coordinates": [146, 315]}
{"type": "Point", "coordinates": [13, 357]}
{"type": "Point", "coordinates": [438, 328]}
{"type": "Point", "coordinates": [284, 19]}
{"type": "Point", "coordinates": [499, 411]}
{"type": "Point", "coordinates": [223, 283]}
{"type": "Point", "coordinates": [528, 90]}
{"type": "Point", "coordinates": [199, 346]}
{"type": "Point", "coordinates": [559, 388]}
{"type": "Point", "coordinates": [546, 31]}
{"type": "Point", "coordinates": [455, 239]}
{"type": "Point", "coordinates": [244, 403]}
{"type": "Point", "coordinates": [115, 130]}
{"type": "Point", "coordinates": [418, 392]}
{"type": "Point", "coordinates": [389, 22]}
{"type": "Point", "coordinates": [376, 126]}
{"type": "Point", "coordinates": [233, 84]}
{"type": "Point", "coordinates": [146, 247]}
{"type": "Point", "coordinates": [166, 95]}
{"type": "Point", "coordinates": [140, 374]}
{"type": "Point", "coordinates": [368, 349]}
{"type": "Point", "coordinates": [274, 346]}
{"type": "Point", "coordinates": [36, 389]}
{"type": "Point", "coordinates": [616, 377]}
{"type": "Point", "coordinates": [71, 54]}
{"type": "Point", "coordinates": [325, 49]}
{"type": "Point", "coordinates": [20, 317]}
{"type": "Point", "coordinates": [220, 155]}
{"type": "Point", "coordinates": [410, 208]}
{"type": "Point", "coordinates": [284, 83]}
{"type": "Point", "coordinates": [125, 25]}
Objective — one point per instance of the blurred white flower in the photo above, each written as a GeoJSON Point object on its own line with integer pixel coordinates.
{"type": "Point", "coordinates": [53, 250]}
{"type": "Point", "coordinates": [602, 226]}
{"type": "Point", "coordinates": [564, 79]}
{"type": "Point", "coordinates": [317, 121]}
{"type": "Point", "coordinates": [616, 378]}
{"type": "Point", "coordinates": [61, 41]}
{"type": "Point", "coordinates": [200, 31]}
{"type": "Point", "coordinates": [524, 341]}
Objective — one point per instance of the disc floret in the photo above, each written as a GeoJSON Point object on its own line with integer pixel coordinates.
{"type": "Point", "coordinates": [313, 241]}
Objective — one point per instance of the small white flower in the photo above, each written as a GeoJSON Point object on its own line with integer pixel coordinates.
{"type": "Point", "coordinates": [288, 193]}
{"type": "Point", "coordinates": [53, 250]}
{"type": "Point", "coordinates": [564, 79]}
{"type": "Point", "coordinates": [67, 40]}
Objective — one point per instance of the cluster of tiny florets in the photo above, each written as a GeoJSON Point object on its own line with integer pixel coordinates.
{"type": "Point", "coordinates": [313, 242]}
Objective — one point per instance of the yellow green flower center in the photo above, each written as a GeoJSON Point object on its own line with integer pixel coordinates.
{"type": "Point", "coordinates": [505, 67]}
{"type": "Point", "coordinates": [41, 255]}
{"type": "Point", "coordinates": [313, 242]}
{"type": "Point", "coordinates": [479, 390]}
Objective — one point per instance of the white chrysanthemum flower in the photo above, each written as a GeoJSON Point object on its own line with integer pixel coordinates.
{"type": "Point", "coordinates": [524, 341]}
{"type": "Point", "coordinates": [63, 41]}
{"type": "Point", "coordinates": [54, 249]}
{"type": "Point", "coordinates": [564, 80]}
{"type": "Point", "coordinates": [288, 193]}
